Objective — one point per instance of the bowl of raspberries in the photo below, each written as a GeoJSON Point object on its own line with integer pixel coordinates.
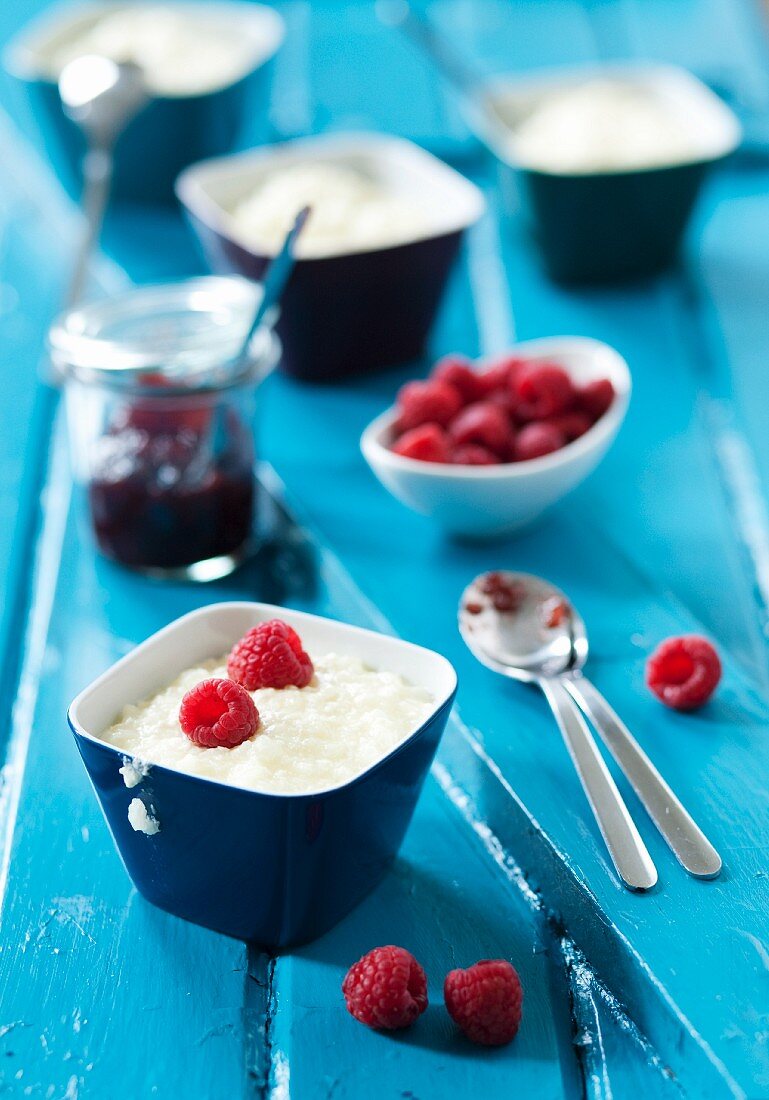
{"type": "Point", "coordinates": [484, 448]}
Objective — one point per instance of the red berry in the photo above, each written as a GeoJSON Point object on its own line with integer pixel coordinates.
{"type": "Point", "coordinates": [458, 372]}
{"type": "Point", "coordinates": [494, 378]}
{"type": "Point", "coordinates": [542, 390]}
{"type": "Point", "coordinates": [387, 988]}
{"type": "Point", "coordinates": [473, 454]}
{"type": "Point", "coordinates": [270, 655]}
{"type": "Point", "coordinates": [684, 672]}
{"type": "Point", "coordinates": [218, 713]}
{"type": "Point", "coordinates": [428, 443]}
{"type": "Point", "coordinates": [485, 1000]}
{"type": "Point", "coordinates": [538, 439]}
{"type": "Point", "coordinates": [596, 397]}
{"type": "Point", "coordinates": [572, 424]}
{"type": "Point", "coordinates": [430, 402]}
{"type": "Point", "coordinates": [483, 423]}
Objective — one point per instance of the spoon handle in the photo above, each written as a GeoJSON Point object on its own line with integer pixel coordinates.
{"type": "Point", "coordinates": [687, 841]}
{"type": "Point", "coordinates": [627, 849]}
{"type": "Point", "coordinates": [97, 179]}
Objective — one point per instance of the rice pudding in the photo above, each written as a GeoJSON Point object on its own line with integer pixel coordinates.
{"type": "Point", "coordinates": [603, 124]}
{"type": "Point", "coordinates": [310, 739]}
{"type": "Point", "coordinates": [182, 50]}
{"type": "Point", "coordinates": [350, 211]}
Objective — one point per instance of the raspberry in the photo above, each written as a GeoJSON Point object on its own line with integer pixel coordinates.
{"type": "Point", "coordinates": [483, 423]}
{"type": "Point", "coordinates": [473, 454]}
{"type": "Point", "coordinates": [218, 713]}
{"type": "Point", "coordinates": [387, 989]}
{"type": "Point", "coordinates": [270, 655]}
{"type": "Point", "coordinates": [572, 424]}
{"type": "Point", "coordinates": [538, 439]}
{"type": "Point", "coordinates": [457, 371]}
{"type": "Point", "coordinates": [683, 672]}
{"type": "Point", "coordinates": [499, 376]}
{"type": "Point", "coordinates": [485, 1000]}
{"type": "Point", "coordinates": [542, 390]}
{"type": "Point", "coordinates": [428, 443]}
{"type": "Point", "coordinates": [596, 397]}
{"type": "Point", "coordinates": [493, 379]}
{"type": "Point", "coordinates": [431, 402]}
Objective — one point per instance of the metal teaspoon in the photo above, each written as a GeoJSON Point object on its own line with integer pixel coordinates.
{"type": "Point", "coordinates": [500, 619]}
{"type": "Point", "coordinates": [101, 96]}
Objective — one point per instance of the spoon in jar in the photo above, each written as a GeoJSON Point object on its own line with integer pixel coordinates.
{"type": "Point", "coordinates": [101, 96]}
{"type": "Point", "coordinates": [500, 619]}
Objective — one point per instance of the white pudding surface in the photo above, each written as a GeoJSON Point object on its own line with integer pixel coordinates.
{"type": "Point", "coordinates": [350, 210]}
{"type": "Point", "coordinates": [180, 50]}
{"type": "Point", "coordinates": [602, 125]}
{"type": "Point", "coordinates": [310, 739]}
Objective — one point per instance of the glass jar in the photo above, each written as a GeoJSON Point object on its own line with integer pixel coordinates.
{"type": "Point", "coordinates": [160, 412]}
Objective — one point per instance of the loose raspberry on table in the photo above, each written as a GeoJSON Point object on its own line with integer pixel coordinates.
{"type": "Point", "coordinates": [473, 454]}
{"type": "Point", "coordinates": [458, 372]}
{"type": "Point", "coordinates": [684, 672]}
{"type": "Point", "coordinates": [486, 424]}
{"type": "Point", "coordinates": [386, 989]}
{"type": "Point", "coordinates": [218, 713]}
{"type": "Point", "coordinates": [270, 655]}
{"type": "Point", "coordinates": [428, 443]}
{"type": "Point", "coordinates": [430, 402]}
{"type": "Point", "coordinates": [538, 439]}
{"type": "Point", "coordinates": [596, 397]}
{"type": "Point", "coordinates": [485, 1000]}
{"type": "Point", "coordinates": [542, 390]}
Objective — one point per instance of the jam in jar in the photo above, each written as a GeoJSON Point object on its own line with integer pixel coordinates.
{"type": "Point", "coordinates": [160, 410]}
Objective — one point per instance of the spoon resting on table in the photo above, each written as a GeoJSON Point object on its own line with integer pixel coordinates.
{"type": "Point", "coordinates": [557, 626]}
{"type": "Point", "coordinates": [500, 619]}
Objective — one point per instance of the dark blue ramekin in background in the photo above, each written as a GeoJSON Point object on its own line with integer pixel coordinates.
{"type": "Point", "coordinates": [349, 312]}
{"type": "Point", "coordinates": [276, 870]}
{"type": "Point", "coordinates": [172, 131]}
{"type": "Point", "coordinates": [599, 227]}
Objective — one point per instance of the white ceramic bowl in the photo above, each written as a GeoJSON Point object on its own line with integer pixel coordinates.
{"type": "Point", "coordinates": [483, 501]}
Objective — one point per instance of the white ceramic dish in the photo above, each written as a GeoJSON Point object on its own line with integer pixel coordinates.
{"type": "Point", "coordinates": [346, 311]}
{"type": "Point", "coordinates": [485, 501]}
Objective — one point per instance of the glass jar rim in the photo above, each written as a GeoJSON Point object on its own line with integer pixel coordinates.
{"type": "Point", "coordinates": [188, 333]}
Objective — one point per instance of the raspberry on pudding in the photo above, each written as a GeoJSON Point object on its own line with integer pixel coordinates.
{"type": "Point", "coordinates": [324, 718]}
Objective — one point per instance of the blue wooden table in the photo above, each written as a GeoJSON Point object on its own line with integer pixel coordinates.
{"type": "Point", "coordinates": [664, 994]}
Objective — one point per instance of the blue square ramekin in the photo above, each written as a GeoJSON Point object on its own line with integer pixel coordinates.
{"type": "Point", "coordinates": [606, 226]}
{"type": "Point", "coordinates": [171, 131]}
{"type": "Point", "coordinates": [351, 310]}
{"type": "Point", "coordinates": [275, 870]}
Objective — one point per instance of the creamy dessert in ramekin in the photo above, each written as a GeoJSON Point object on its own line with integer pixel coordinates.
{"type": "Point", "coordinates": [309, 738]}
